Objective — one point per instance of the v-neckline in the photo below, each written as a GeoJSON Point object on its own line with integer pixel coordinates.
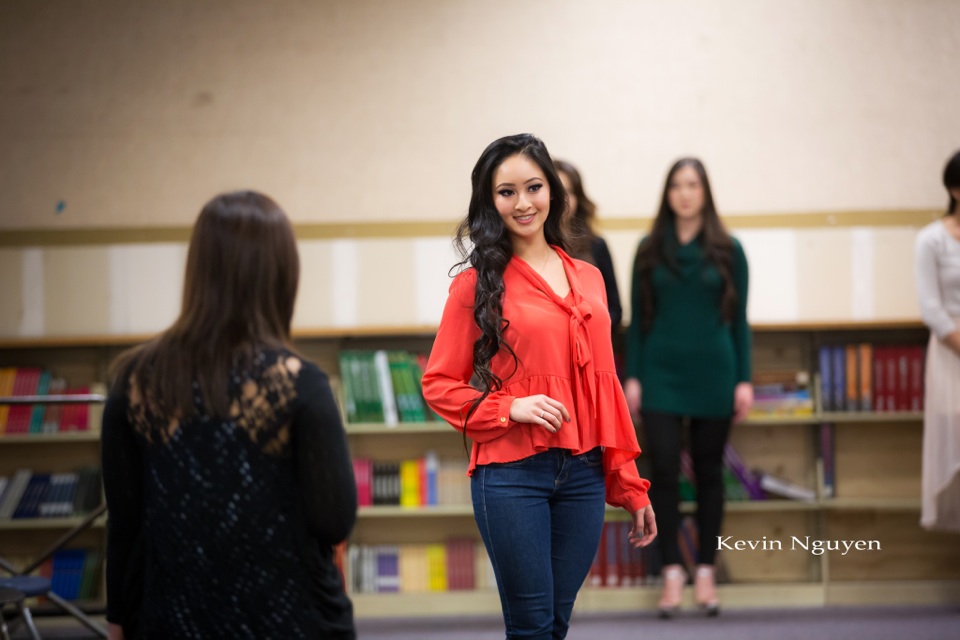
{"type": "Point", "coordinates": [549, 289]}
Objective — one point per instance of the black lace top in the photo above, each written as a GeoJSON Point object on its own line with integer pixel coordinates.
{"type": "Point", "coordinates": [223, 526]}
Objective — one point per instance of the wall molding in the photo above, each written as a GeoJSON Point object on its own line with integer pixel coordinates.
{"type": "Point", "coordinates": [419, 229]}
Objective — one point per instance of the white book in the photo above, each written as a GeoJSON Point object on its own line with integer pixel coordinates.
{"type": "Point", "coordinates": [786, 488]}
{"type": "Point", "coordinates": [13, 494]}
{"type": "Point", "coordinates": [391, 416]}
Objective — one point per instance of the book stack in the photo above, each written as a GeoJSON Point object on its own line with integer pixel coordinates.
{"type": "Point", "coordinates": [40, 418]}
{"type": "Point", "coordinates": [459, 564]}
{"type": "Point", "coordinates": [868, 377]}
{"type": "Point", "coordinates": [617, 563]}
{"type": "Point", "coordinates": [74, 573]}
{"type": "Point", "coordinates": [782, 393]}
{"type": "Point", "coordinates": [27, 494]}
{"type": "Point", "coordinates": [383, 387]}
{"type": "Point", "coordinates": [417, 482]}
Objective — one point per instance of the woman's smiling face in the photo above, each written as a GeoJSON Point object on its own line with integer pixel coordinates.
{"type": "Point", "coordinates": [522, 196]}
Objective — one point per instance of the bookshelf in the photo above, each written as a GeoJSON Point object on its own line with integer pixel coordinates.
{"type": "Point", "coordinates": [877, 466]}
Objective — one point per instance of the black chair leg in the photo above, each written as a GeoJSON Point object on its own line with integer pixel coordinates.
{"type": "Point", "coordinates": [83, 618]}
{"type": "Point", "coordinates": [28, 620]}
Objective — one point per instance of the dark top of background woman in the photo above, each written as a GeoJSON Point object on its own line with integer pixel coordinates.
{"type": "Point", "coordinates": [689, 341]}
{"type": "Point", "coordinates": [225, 464]}
{"type": "Point", "coordinates": [585, 243]}
{"type": "Point", "coordinates": [239, 512]}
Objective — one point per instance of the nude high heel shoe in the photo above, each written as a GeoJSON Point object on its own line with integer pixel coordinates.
{"type": "Point", "coordinates": [705, 590]}
{"type": "Point", "coordinates": [674, 578]}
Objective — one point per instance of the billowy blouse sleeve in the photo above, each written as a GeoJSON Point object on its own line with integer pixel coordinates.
{"type": "Point", "coordinates": [446, 382]}
{"type": "Point", "coordinates": [933, 308]}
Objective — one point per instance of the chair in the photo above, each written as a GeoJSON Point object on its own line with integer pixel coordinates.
{"type": "Point", "coordinates": [14, 597]}
{"type": "Point", "coordinates": [33, 586]}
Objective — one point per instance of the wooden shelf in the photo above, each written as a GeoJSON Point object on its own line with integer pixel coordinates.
{"type": "Point", "coordinates": [69, 437]}
{"type": "Point", "coordinates": [836, 417]}
{"type": "Point", "coordinates": [32, 524]}
{"type": "Point", "coordinates": [871, 416]}
{"type": "Point", "coordinates": [400, 429]}
{"type": "Point", "coordinates": [871, 504]}
{"type": "Point", "coordinates": [894, 592]}
{"type": "Point", "coordinates": [733, 596]}
{"type": "Point", "coordinates": [839, 325]}
{"type": "Point", "coordinates": [436, 511]}
{"type": "Point", "coordinates": [426, 330]}
{"type": "Point", "coordinates": [774, 420]}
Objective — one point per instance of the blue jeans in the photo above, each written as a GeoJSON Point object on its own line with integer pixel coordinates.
{"type": "Point", "coordinates": [540, 519]}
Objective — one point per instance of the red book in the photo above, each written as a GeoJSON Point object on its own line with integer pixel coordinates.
{"type": "Point", "coordinates": [903, 379]}
{"type": "Point", "coordinates": [74, 416]}
{"type": "Point", "coordinates": [361, 475]}
{"type": "Point", "coordinates": [424, 487]}
{"type": "Point", "coordinates": [610, 532]}
{"type": "Point", "coordinates": [626, 555]}
{"type": "Point", "coordinates": [24, 384]}
{"type": "Point", "coordinates": [916, 378]}
{"type": "Point", "coordinates": [879, 379]}
{"type": "Point", "coordinates": [890, 355]}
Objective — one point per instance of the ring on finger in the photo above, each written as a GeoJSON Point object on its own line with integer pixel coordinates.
{"type": "Point", "coordinates": [541, 413]}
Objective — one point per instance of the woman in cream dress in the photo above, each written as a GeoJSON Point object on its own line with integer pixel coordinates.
{"type": "Point", "coordinates": [938, 287]}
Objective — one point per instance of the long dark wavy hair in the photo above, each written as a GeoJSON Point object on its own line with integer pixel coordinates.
{"type": "Point", "coordinates": [238, 296]}
{"type": "Point", "coordinates": [659, 245]}
{"type": "Point", "coordinates": [581, 224]}
{"type": "Point", "coordinates": [951, 180]}
{"type": "Point", "coordinates": [483, 242]}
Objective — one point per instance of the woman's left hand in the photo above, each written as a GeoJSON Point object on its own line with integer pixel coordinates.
{"type": "Point", "coordinates": [742, 401]}
{"type": "Point", "coordinates": [644, 528]}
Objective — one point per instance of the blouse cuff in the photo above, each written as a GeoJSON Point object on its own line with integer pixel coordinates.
{"type": "Point", "coordinates": [503, 411]}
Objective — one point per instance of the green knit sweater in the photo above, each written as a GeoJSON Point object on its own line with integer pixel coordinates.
{"type": "Point", "coordinates": [690, 360]}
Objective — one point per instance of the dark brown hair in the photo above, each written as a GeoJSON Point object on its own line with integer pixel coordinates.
{"type": "Point", "coordinates": [951, 180]}
{"type": "Point", "coordinates": [238, 296]}
{"type": "Point", "coordinates": [582, 222]}
{"type": "Point", "coordinates": [658, 247]}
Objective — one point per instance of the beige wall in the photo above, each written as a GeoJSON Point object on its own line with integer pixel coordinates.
{"type": "Point", "coordinates": [133, 114]}
{"type": "Point", "coordinates": [797, 275]}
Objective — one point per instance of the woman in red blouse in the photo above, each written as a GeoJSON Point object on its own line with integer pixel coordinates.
{"type": "Point", "coordinates": [552, 435]}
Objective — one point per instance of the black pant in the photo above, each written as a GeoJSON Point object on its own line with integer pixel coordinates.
{"type": "Point", "coordinates": [663, 435]}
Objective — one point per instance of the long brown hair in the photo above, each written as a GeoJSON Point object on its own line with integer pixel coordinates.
{"type": "Point", "coordinates": [238, 296]}
{"type": "Point", "coordinates": [657, 248]}
{"type": "Point", "coordinates": [483, 242]}
{"type": "Point", "coordinates": [581, 223]}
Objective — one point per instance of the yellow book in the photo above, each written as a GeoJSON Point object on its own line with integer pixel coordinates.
{"type": "Point", "coordinates": [7, 377]}
{"type": "Point", "coordinates": [410, 483]}
{"type": "Point", "coordinates": [437, 567]}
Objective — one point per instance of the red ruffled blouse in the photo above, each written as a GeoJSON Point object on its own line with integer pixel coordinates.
{"type": "Point", "coordinates": [564, 351]}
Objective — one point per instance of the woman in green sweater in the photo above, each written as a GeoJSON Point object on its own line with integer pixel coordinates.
{"type": "Point", "coordinates": [688, 364]}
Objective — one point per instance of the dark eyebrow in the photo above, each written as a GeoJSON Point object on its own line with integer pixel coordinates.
{"type": "Point", "coordinates": [510, 184]}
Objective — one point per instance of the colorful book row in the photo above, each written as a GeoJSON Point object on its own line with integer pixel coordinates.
{"type": "Point", "coordinates": [782, 392]}
{"type": "Point", "coordinates": [459, 564]}
{"type": "Point", "coordinates": [74, 573]}
{"type": "Point", "coordinates": [867, 377]}
{"type": "Point", "coordinates": [22, 419]}
{"type": "Point", "coordinates": [418, 482]}
{"type": "Point", "coordinates": [49, 495]}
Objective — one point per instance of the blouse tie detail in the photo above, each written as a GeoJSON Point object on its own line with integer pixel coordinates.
{"type": "Point", "coordinates": [580, 347]}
